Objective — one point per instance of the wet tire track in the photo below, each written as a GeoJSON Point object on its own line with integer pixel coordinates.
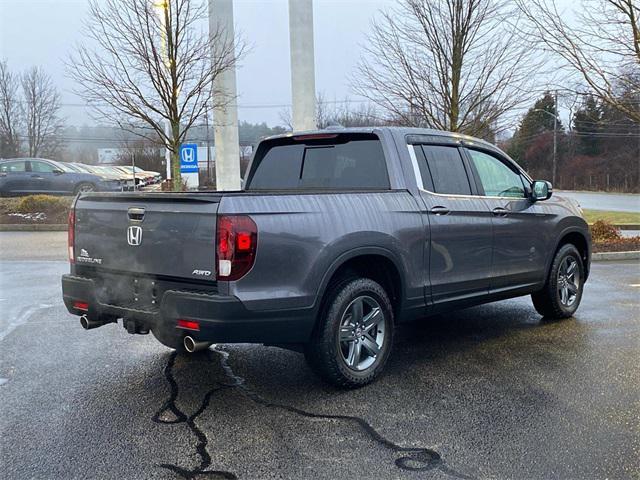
{"type": "Point", "coordinates": [190, 421]}
{"type": "Point", "coordinates": [416, 458]}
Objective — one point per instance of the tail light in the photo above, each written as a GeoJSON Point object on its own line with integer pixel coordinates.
{"type": "Point", "coordinates": [71, 232]}
{"type": "Point", "coordinates": [236, 246]}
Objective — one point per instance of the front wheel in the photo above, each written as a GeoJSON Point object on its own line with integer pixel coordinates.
{"type": "Point", "coordinates": [562, 292]}
{"type": "Point", "coordinates": [85, 187]}
{"type": "Point", "coordinates": [353, 339]}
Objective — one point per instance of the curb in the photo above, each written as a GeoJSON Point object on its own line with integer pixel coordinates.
{"type": "Point", "coordinates": [627, 226]}
{"type": "Point", "coordinates": [27, 227]}
{"type": "Point", "coordinates": [607, 256]}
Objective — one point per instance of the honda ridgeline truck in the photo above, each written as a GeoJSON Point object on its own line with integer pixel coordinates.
{"type": "Point", "coordinates": [337, 237]}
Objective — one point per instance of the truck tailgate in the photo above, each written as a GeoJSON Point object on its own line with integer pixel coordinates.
{"type": "Point", "coordinates": [171, 235]}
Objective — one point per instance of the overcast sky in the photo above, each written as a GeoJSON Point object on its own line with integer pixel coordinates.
{"type": "Point", "coordinates": [43, 32]}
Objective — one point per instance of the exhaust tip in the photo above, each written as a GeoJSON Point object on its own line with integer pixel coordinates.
{"type": "Point", "coordinates": [84, 322]}
{"type": "Point", "coordinates": [191, 345]}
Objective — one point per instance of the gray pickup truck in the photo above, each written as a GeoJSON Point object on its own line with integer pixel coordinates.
{"type": "Point", "coordinates": [337, 237]}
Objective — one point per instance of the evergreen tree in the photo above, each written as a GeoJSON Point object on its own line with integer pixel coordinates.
{"type": "Point", "coordinates": [588, 126]}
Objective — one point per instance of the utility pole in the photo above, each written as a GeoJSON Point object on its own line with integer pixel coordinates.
{"type": "Point", "coordinates": [206, 122]}
{"type": "Point", "coordinates": [303, 83]}
{"type": "Point", "coordinates": [555, 137]}
{"type": "Point", "coordinates": [162, 9]}
{"type": "Point", "coordinates": [225, 118]}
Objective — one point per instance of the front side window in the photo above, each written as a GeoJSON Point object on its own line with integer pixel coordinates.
{"type": "Point", "coordinates": [9, 167]}
{"type": "Point", "coordinates": [447, 170]}
{"type": "Point", "coordinates": [497, 179]}
{"type": "Point", "coordinates": [41, 167]}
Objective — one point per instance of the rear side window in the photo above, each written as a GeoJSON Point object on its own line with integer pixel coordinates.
{"type": "Point", "coordinates": [353, 161]}
{"type": "Point", "coordinates": [447, 170]}
{"type": "Point", "coordinates": [12, 167]}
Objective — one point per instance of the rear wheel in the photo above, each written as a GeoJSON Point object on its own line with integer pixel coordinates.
{"type": "Point", "coordinates": [85, 187]}
{"type": "Point", "coordinates": [353, 339]}
{"type": "Point", "coordinates": [562, 292]}
{"type": "Point", "coordinates": [169, 337]}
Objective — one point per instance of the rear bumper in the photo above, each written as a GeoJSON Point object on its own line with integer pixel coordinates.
{"type": "Point", "coordinates": [222, 318]}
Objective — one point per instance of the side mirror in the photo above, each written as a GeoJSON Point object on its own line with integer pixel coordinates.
{"type": "Point", "coordinates": [57, 171]}
{"type": "Point", "coordinates": [541, 190]}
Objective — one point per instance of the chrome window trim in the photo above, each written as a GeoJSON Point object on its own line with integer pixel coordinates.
{"type": "Point", "coordinates": [416, 172]}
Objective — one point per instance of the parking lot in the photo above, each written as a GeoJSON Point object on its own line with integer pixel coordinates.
{"type": "Point", "coordinates": [489, 392]}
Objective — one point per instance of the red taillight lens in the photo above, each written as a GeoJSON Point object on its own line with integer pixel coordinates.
{"type": "Point", "coordinates": [189, 325]}
{"type": "Point", "coordinates": [84, 306]}
{"type": "Point", "coordinates": [236, 246]}
{"type": "Point", "coordinates": [71, 232]}
{"type": "Point", "coordinates": [243, 241]}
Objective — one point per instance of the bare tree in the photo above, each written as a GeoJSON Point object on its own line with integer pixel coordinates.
{"type": "Point", "coordinates": [41, 106]}
{"type": "Point", "coordinates": [153, 67]}
{"type": "Point", "coordinates": [10, 113]}
{"type": "Point", "coordinates": [342, 113]}
{"type": "Point", "coordinates": [455, 65]}
{"type": "Point", "coordinates": [140, 152]}
{"type": "Point", "coordinates": [602, 49]}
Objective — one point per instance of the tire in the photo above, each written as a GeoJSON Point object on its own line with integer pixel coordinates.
{"type": "Point", "coordinates": [341, 351]}
{"type": "Point", "coordinates": [169, 337]}
{"type": "Point", "coordinates": [84, 187]}
{"type": "Point", "coordinates": [563, 289]}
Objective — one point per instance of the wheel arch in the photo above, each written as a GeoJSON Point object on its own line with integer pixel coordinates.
{"type": "Point", "coordinates": [580, 240]}
{"type": "Point", "coordinates": [376, 263]}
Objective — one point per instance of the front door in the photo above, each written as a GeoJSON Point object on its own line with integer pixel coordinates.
{"type": "Point", "coordinates": [459, 249]}
{"type": "Point", "coordinates": [518, 225]}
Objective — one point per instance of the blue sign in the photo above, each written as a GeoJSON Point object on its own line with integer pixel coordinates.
{"type": "Point", "coordinates": [188, 158]}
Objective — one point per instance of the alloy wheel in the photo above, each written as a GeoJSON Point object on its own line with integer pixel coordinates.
{"type": "Point", "coordinates": [568, 281]}
{"type": "Point", "coordinates": [362, 333]}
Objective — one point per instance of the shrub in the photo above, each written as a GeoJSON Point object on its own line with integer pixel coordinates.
{"type": "Point", "coordinates": [53, 207]}
{"type": "Point", "coordinates": [603, 231]}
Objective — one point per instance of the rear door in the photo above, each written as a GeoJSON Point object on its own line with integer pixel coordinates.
{"type": "Point", "coordinates": [13, 177]}
{"type": "Point", "coordinates": [460, 244]}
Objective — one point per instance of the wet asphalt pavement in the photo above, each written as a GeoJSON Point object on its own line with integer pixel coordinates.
{"type": "Point", "coordinates": [489, 392]}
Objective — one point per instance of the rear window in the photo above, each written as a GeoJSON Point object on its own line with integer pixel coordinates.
{"type": "Point", "coordinates": [12, 167]}
{"type": "Point", "coordinates": [353, 161]}
{"type": "Point", "coordinates": [447, 170]}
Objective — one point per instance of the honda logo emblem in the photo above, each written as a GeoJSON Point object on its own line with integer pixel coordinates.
{"type": "Point", "coordinates": [134, 235]}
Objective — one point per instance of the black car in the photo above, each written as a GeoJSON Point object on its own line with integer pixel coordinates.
{"type": "Point", "coordinates": [24, 176]}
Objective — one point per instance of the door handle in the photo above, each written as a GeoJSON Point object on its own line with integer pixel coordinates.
{"type": "Point", "coordinates": [37, 176]}
{"type": "Point", "coordinates": [500, 212]}
{"type": "Point", "coordinates": [440, 210]}
{"type": "Point", "coordinates": [3, 174]}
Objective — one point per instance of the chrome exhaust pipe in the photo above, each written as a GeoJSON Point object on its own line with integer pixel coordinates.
{"type": "Point", "coordinates": [191, 345]}
{"type": "Point", "coordinates": [88, 324]}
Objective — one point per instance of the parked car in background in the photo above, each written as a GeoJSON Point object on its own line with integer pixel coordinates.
{"type": "Point", "coordinates": [149, 176]}
{"type": "Point", "coordinates": [25, 176]}
{"type": "Point", "coordinates": [125, 180]}
{"type": "Point", "coordinates": [140, 178]}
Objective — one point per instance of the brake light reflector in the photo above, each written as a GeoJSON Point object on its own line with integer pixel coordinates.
{"type": "Point", "coordinates": [243, 241]}
{"type": "Point", "coordinates": [189, 325]}
{"type": "Point", "coordinates": [71, 232]}
{"type": "Point", "coordinates": [84, 306]}
{"type": "Point", "coordinates": [237, 238]}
